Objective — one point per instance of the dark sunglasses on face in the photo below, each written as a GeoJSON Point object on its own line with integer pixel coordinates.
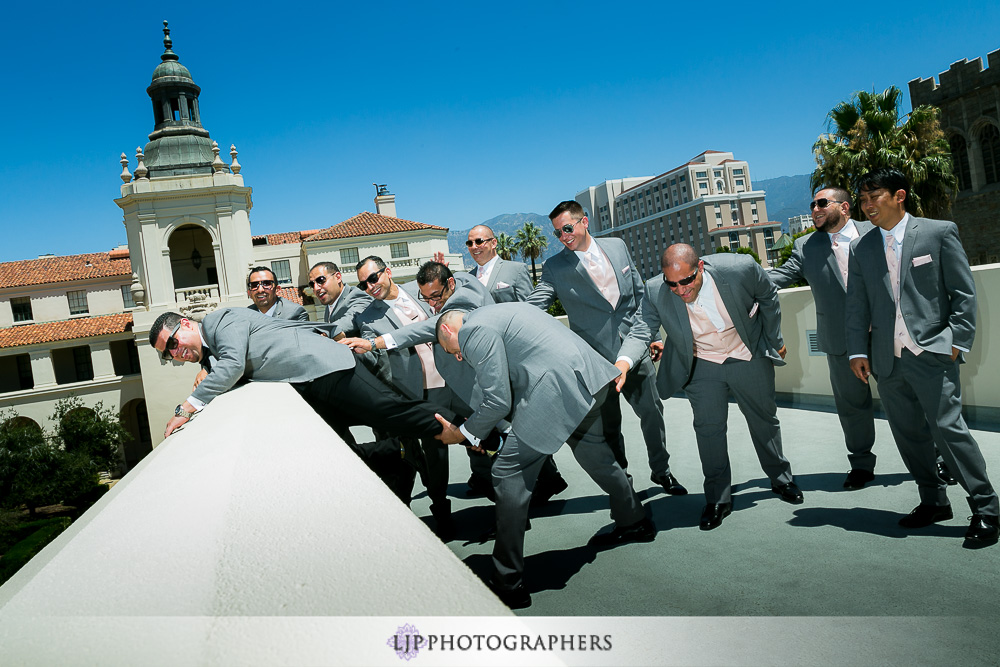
{"type": "Point", "coordinates": [371, 279]}
{"type": "Point", "coordinates": [822, 203]}
{"type": "Point", "coordinates": [266, 284]}
{"type": "Point", "coordinates": [478, 242]}
{"type": "Point", "coordinates": [566, 229]}
{"type": "Point", "coordinates": [682, 281]}
{"type": "Point", "coordinates": [171, 344]}
{"type": "Point", "coordinates": [320, 280]}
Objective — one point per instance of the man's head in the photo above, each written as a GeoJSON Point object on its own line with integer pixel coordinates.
{"type": "Point", "coordinates": [482, 244]}
{"type": "Point", "coordinates": [831, 208]}
{"type": "Point", "coordinates": [326, 282]}
{"type": "Point", "coordinates": [570, 225]}
{"type": "Point", "coordinates": [262, 287]}
{"type": "Point", "coordinates": [375, 278]}
{"type": "Point", "coordinates": [436, 284]}
{"type": "Point", "coordinates": [882, 196]}
{"type": "Point", "coordinates": [448, 326]}
{"type": "Point", "coordinates": [176, 337]}
{"type": "Point", "coordinates": [683, 271]}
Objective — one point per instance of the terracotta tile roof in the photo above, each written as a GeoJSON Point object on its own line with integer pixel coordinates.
{"type": "Point", "coordinates": [282, 238]}
{"type": "Point", "coordinates": [369, 224]}
{"type": "Point", "coordinates": [65, 268]}
{"type": "Point", "coordinates": [48, 332]}
{"type": "Point", "coordinates": [293, 294]}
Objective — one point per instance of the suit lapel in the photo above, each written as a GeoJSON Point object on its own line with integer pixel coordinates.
{"type": "Point", "coordinates": [906, 252]}
{"type": "Point", "coordinates": [494, 275]}
{"type": "Point", "coordinates": [676, 305]}
{"type": "Point", "coordinates": [737, 313]}
{"type": "Point", "coordinates": [623, 288]}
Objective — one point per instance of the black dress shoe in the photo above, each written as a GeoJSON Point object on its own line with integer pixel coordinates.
{"type": "Point", "coordinates": [924, 515]}
{"type": "Point", "coordinates": [544, 491]}
{"type": "Point", "coordinates": [945, 474]}
{"type": "Point", "coordinates": [857, 478]}
{"type": "Point", "coordinates": [713, 514]}
{"type": "Point", "coordinates": [480, 487]}
{"type": "Point", "coordinates": [984, 529]}
{"type": "Point", "coordinates": [790, 493]}
{"type": "Point", "coordinates": [641, 531]}
{"type": "Point", "coordinates": [669, 483]}
{"type": "Point", "coordinates": [515, 598]}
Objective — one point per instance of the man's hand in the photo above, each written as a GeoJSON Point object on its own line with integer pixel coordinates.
{"type": "Point", "coordinates": [449, 435]}
{"type": "Point", "coordinates": [439, 258]}
{"type": "Point", "coordinates": [954, 353]}
{"type": "Point", "coordinates": [174, 424]}
{"type": "Point", "coordinates": [782, 352]}
{"type": "Point", "coordinates": [861, 368]}
{"type": "Point", "coordinates": [357, 345]}
{"type": "Point", "coordinates": [202, 374]}
{"type": "Point", "coordinates": [624, 367]}
{"type": "Point", "coordinates": [656, 350]}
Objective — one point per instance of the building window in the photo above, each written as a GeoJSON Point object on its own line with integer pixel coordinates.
{"type": "Point", "coordinates": [22, 309]}
{"type": "Point", "coordinates": [77, 302]}
{"type": "Point", "coordinates": [990, 140]}
{"type": "Point", "coordinates": [768, 238]}
{"type": "Point", "coordinates": [133, 358]}
{"type": "Point", "coordinates": [127, 296]}
{"type": "Point", "coordinates": [734, 240]}
{"type": "Point", "coordinates": [282, 271]}
{"type": "Point", "coordinates": [84, 366]}
{"type": "Point", "coordinates": [737, 172]}
{"type": "Point", "coordinates": [739, 182]}
{"type": "Point", "coordinates": [703, 186]}
{"type": "Point", "coordinates": [701, 174]}
{"type": "Point", "coordinates": [398, 250]}
{"type": "Point", "coordinates": [24, 377]}
{"type": "Point", "coordinates": [348, 256]}
{"type": "Point", "coordinates": [960, 157]}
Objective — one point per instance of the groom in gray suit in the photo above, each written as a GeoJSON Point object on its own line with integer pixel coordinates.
{"type": "Point", "coordinates": [910, 284]}
{"type": "Point", "coordinates": [506, 281]}
{"type": "Point", "coordinates": [599, 287]}
{"type": "Point", "coordinates": [723, 326]}
{"type": "Point", "coordinates": [342, 303]}
{"type": "Point", "coordinates": [820, 259]}
{"type": "Point", "coordinates": [550, 384]}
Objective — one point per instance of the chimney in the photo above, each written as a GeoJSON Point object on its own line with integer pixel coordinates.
{"type": "Point", "coordinates": [385, 201]}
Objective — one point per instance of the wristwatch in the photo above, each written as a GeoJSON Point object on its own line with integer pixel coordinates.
{"type": "Point", "coordinates": [370, 337]}
{"type": "Point", "coordinates": [179, 411]}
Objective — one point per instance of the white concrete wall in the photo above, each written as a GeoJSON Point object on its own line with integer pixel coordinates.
{"type": "Point", "coordinates": [49, 302]}
{"type": "Point", "coordinates": [230, 518]}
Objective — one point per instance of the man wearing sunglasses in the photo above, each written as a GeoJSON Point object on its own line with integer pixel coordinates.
{"type": "Point", "coordinates": [820, 259]}
{"type": "Point", "coordinates": [599, 287]}
{"type": "Point", "coordinates": [262, 287]}
{"type": "Point", "coordinates": [342, 302]}
{"type": "Point", "coordinates": [506, 281]}
{"type": "Point", "coordinates": [723, 326]}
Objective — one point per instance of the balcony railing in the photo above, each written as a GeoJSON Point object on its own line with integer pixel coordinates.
{"type": "Point", "coordinates": [185, 293]}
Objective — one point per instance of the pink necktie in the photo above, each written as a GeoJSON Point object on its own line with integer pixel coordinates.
{"type": "Point", "coordinates": [840, 249]}
{"type": "Point", "coordinates": [604, 279]}
{"type": "Point", "coordinates": [901, 337]}
{"type": "Point", "coordinates": [482, 274]}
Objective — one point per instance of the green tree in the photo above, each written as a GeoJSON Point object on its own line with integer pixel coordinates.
{"type": "Point", "coordinates": [530, 243]}
{"type": "Point", "coordinates": [786, 252]}
{"type": "Point", "coordinates": [506, 246]}
{"type": "Point", "coordinates": [96, 433]}
{"type": "Point", "coordinates": [867, 132]}
{"type": "Point", "coordinates": [29, 464]}
{"type": "Point", "coordinates": [740, 251]}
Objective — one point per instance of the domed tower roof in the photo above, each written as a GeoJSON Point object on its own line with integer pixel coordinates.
{"type": "Point", "coordinates": [178, 143]}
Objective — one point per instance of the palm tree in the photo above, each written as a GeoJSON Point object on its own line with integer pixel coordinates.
{"type": "Point", "coordinates": [866, 133]}
{"type": "Point", "coordinates": [506, 246]}
{"type": "Point", "coordinates": [531, 242]}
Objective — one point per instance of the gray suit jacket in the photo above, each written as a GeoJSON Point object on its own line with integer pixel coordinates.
{"type": "Point", "coordinates": [937, 293]}
{"type": "Point", "coordinates": [251, 346]}
{"type": "Point", "coordinates": [509, 281]}
{"type": "Point", "coordinates": [285, 310]}
{"type": "Point", "coordinates": [813, 261]}
{"type": "Point", "coordinates": [532, 368]}
{"type": "Point", "coordinates": [400, 368]}
{"type": "Point", "coordinates": [590, 315]}
{"type": "Point", "coordinates": [351, 303]}
{"type": "Point", "coordinates": [741, 284]}
{"type": "Point", "coordinates": [469, 295]}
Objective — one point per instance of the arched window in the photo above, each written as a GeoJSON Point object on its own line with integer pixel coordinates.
{"type": "Point", "coordinates": [989, 139]}
{"type": "Point", "coordinates": [960, 158]}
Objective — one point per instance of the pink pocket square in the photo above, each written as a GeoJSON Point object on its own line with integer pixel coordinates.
{"type": "Point", "coordinates": [923, 259]}
{"type": "Point", "coordinates": [624, 270]}
{"type": "Point", "coordinates": [753, 311]}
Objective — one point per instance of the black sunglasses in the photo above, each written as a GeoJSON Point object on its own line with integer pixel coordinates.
{"type": "Point", "coordinates": [370, 280]}
{"type": "Point", "coordinates": [478, 242]}
{"type": "Point", "coordinates": [566, 229]}
{"type": "Point", "coordinates": [320, 280]}
{"type": "Point", "coordinates": [266, 284]}
{"type": "Point", "coordinates": [682, 281]}
{"type": "Point", "coordinates": [171, 344]}
{"type": "Point", "coordinates": [822, 203]}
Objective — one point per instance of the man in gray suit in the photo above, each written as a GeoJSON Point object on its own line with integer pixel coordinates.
{"type": "Point", "coordinates": [551, 385]}
{"type": "Point", "coordinates": [600, 289]}
{"type": "Point", "coordinates": [910, 284]}
{"type": "Point", "coordinates": [239, 345]}
{"type": "Point", "coordinates": [343, 302]}
{"type": "Point", "coordinates": [507, 281]}
{"type": "Point", "coordinates": [820, 259]}
{"type": "Point", "coordinates": [262, 287]}
{"type": "Point", "coordinates": [723, 326]}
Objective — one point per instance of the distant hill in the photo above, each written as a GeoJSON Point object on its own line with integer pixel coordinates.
{"type": "Point", "coordinates": [785, 196]}
{"type": "Point", "coordinates": [507, 223]}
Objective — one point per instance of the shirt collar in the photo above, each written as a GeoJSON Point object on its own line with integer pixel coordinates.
{"type": "Point", "coordinates": [896, 233]}
{"type": "Point", "coordinates": [488, 266]}
{"type": "Point", "coordinates": [848, 231]}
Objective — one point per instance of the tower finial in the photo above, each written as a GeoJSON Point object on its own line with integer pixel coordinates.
{"type": "Point", "coordinates": [167, 43]}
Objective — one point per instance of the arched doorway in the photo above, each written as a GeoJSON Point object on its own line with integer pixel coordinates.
{"type": "Point", "coordinates": [192, 259]}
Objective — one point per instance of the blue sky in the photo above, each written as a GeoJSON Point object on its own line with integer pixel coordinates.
{"type": "Point", "coordinates": [466, 110]}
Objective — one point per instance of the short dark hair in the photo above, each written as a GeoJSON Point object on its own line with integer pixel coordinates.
{"type": "Point", "coordinates": [431, 271]}
{"type": "Point", "coordinates": [573, 207]}
{"type": "Point", "coordinates": [883, 177]}
{"type": "Point", "coordinates": [258, 269]}
{"type": "Point", "coordinates": [370, 258]}
{"type": "Point", "coordinates": [329, 266]}
{"type": "Point", "coordinates": [840, 193]}
{"type": "Point", "coordinates": [167, 320]}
